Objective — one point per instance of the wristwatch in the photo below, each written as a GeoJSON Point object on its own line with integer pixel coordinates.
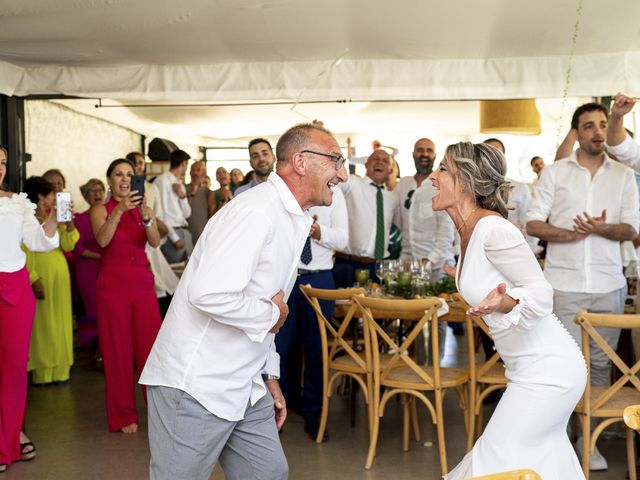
{"type": "Point", "coordinates": [266, 376]}
{"type": "Point", "coordinates": [147, 223]}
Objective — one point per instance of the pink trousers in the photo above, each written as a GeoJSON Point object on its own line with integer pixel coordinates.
{"type": "Point", "coordinates": [17, 308]}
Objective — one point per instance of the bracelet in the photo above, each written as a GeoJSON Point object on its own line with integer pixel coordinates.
{"type": "Point", "coordinates": [267, 376]}
{"type": "Point", "coordinates": [148, 222]}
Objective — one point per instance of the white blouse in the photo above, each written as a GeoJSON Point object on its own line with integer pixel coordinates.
{"type": "Point", "coordinates": [19, 225]}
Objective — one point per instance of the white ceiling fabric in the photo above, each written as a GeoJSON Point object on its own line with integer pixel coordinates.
{"type": "Point", "coordinates": [261, 50]}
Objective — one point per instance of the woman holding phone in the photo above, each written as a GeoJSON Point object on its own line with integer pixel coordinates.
{"type": "Point", "coordinates": [51, 351]}
{"type": "Point", "coordinates": [127, 307]}
{"type": "Point", "coordinates": [17, 309]}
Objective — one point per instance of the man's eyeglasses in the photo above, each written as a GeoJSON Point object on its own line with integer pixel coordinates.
{"type": "Point", "coordinates": [339, 159]}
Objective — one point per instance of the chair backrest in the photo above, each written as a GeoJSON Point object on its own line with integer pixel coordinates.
{"type": "Point", "coordinates": [337, 332]}
{"type": "Point", "coordinates": [631, 417]}
{"type": "Point", "coordinates": [588, 323]}
{"type": "Point", "coordinates": [472, 321]}
{"type": "Point", "coordinates": [419, 311]}
{"type": "Point", "coordinates": [513, 475]}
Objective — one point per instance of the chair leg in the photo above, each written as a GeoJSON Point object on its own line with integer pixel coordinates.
{"type": "Point", "coordinates": [471, 417]}
{"type": "Point", "coordinates": [442, 448]}
{"type": "Point", "coordinates": [414, 416]}
{"type": "Point", "coordinates": [324, 413]}
{"type": "Point", "coordinates": [480, 420]}
{"type": "Point", "coordinates": [631, 454]}
{"type": "Point", "coordinates": [406, 414]}
{"type": "Point", "coordinates": [586, 439]}
{"type": "Point", "coordinates": [373, 438]}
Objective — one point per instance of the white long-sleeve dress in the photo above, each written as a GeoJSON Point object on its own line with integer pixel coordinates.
{"type": "Point", "coordinates": [545, 369]}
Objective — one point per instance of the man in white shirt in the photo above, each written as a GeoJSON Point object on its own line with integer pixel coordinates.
{"type": "Point", "coordinates": [212, 372]}
{"type": "Point", "coordinates": [584, 206]}
{"type": "Point", "coordinates": [175, 204]}
{"type": "Point", "coordinates": [299, 337]}
{"type": "Point", "coordinates": [372, 209]}
{"type": "Point", "coordinates": [425, 233]}
{"type": "Point", "coordinates": [261, 159]}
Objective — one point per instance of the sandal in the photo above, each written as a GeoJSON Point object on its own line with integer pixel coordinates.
{"type": "Point", "coordinates": [30, 452]}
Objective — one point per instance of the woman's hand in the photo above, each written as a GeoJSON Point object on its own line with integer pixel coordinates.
{"type": "Point", "coordinates": [38, 289]}
{"type": "Point", "coordinates": [130, 201]}
{"type": "Point", "coordinates": [145, 212]}
{"type": "Point", "coordinates": [496, 301]}
{"type": "Point", "coordinates": [50, 226]}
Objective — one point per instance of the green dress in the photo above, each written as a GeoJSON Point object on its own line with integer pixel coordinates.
{"type": "Point", "coordinates": [51, 350]}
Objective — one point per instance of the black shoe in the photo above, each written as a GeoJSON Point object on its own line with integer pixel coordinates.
{"type": "Point", "coordinates": [312, 428]}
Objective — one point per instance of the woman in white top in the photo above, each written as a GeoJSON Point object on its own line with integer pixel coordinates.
{"type": "Point", "coordinates": [499, 275]}
{"type": "Point", "coordinates": [17, 308]}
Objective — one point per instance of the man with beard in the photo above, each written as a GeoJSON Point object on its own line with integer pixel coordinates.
{"type": "Point", "coordinates": [425, 234]}
{"type": "Point", "coordinates": [372, 209]}
{"type": "Point", "coordinates": [584, 206]}
{"type": "Point", "coordinates": [261, 159]}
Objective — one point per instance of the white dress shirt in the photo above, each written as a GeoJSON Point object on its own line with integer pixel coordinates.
{"type": "Point", "coordinates": [19, 225]}
{"type": "Point", "coordinates": [176, 210]}
{"type": "Point", "coordinates": [628, 152]}
{"type": "Point", "coordinates": [431, 233]}
{"type": "Point", "coordinates": [214, 342]}
{"type": "Point", "coordinates": [519, 200]}
{"type": "Point", "coordinates": [566, 189]}
{"type": "Point", "coordinates": [360, 197]}
{"type": "Point", "coordinates": [406, 188]}
{"type": "Point", "coordinates": [334, 233]}
{"type": "Point", "coordinates": [165, 281]}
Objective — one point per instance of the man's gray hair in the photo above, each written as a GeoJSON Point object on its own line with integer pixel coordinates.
{"type": "Point", "coordinates": [296, 139]}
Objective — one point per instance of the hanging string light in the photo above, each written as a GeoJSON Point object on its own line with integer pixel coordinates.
{"type": "Point", "coordinates": [567, 80]}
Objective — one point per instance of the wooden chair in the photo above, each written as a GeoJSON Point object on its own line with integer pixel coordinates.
{"type": "Point", "coordinates": [484, 378]}
{"type": "Point", "coordinates": [513, 475]}
{"type": "Point", "coordinates": [607, 403]}
{"type": "Point", "coordinates": [401, 374]}
{"type": "Point", "coordinates": [338, 353]}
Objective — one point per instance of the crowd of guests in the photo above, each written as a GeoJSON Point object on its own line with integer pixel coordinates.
{"type": "Point", "coordinates": [115, 258]}
{"type": "Point", "coordinates": [106, 273]}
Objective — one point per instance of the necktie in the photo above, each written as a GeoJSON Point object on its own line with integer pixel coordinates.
{"type": "Point", "coordinates": [380, 233]}
{"type": "Point", "coordinates": [305, 256]}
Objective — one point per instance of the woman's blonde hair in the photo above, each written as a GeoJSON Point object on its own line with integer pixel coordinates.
{"type": "Point", "coordinates": [92, 182]}
{"type": "Point", "coordinates": [481, 170]}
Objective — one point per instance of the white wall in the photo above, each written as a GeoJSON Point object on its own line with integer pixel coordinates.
{"type": "Point", "coordinates": [79, 145]}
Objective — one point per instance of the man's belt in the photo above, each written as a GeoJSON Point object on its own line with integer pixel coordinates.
{"type": "Point", "coordinates": [181, 228]}
{"type": "Point", "coordinates": [302, 271]}
{"type": "Point", "coordinates": [354, 258]}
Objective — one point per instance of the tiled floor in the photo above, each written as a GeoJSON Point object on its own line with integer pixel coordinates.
{"type": "Point", "coordinates": [68, 425]}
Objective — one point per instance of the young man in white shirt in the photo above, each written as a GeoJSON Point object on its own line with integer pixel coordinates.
{"type": "Point", "coordinates": [584, 206]}
{"type": "Point", "coordinates": [175, 204]}
{"type": "Point", "coordinates": [372, 209]}
{"type": "Point", "coordinates": [298, 341]}
{"type": "Point", "coordinates": [212, 373]}
{"type": "Point", "coordinates": [261, 159]}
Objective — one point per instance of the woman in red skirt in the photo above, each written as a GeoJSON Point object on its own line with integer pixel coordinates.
{"type": "Point", "coordinates": [127, 307]}
{"type": "Point", "coordinates": [17, 308]}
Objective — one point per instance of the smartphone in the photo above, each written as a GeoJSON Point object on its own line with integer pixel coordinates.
{"type": "Point", "coordinates": [137, 184]}
{"type": "Point", "coordinates": [63, 207]}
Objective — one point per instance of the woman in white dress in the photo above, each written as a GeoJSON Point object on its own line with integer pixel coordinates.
{"type": "Point", "coordinates": [499, 275]}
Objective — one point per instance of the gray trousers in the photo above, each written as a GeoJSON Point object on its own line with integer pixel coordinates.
{"type": "Point", "coordinates": [567, 304]}
{"type": "Point", "coordinates": [171, 253]}
{"type": "Point", "coordinates": [186, 440]}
